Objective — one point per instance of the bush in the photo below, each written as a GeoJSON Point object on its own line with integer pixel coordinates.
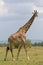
{"type": "Point", "coordinates": [16, 45]}
{"type": "Point", "coordinates": [28, 44]}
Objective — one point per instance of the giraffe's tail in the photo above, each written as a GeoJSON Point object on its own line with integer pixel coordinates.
{"type": "Point", "coordinates": [8, 48]}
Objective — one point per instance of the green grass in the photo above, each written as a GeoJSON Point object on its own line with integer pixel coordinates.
{"type": "Point", "coordinates": [35, 54]}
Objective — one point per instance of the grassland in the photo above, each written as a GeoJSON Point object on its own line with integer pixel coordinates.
{"type": "Point", "coordinates": [35, 53]}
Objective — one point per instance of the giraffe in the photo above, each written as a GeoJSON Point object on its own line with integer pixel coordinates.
{"type": "Point", "coordinates": [20, 37]}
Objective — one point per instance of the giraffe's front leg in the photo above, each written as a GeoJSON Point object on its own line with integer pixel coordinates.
{"type": "Point", "coordinates": [24, 45]}
{"type": "Point", "coordinates": [19, 50]}
{"type": "Point", "coordinates": [26, 52]}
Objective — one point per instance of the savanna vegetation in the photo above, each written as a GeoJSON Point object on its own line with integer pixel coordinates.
{"type": "Point", "coordinates": [35, 52]}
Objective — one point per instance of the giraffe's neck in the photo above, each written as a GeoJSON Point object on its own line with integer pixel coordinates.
{"type": "Point", "coordinates": [28, 24]}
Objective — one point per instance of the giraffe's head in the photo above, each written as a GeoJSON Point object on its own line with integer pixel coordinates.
{"type": "Point", "coordinates": [35, 12]}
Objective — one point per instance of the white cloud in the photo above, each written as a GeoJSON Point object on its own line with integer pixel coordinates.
{"type": "Point", "coordinates": [3, 9]}
{"type": "Point", "coordinates": [25, 7]}
{"type": "Point", "coordinates": [17, 8]}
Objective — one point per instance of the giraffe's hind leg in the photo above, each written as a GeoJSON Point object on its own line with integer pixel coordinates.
{"type": "Point", "coordinates": [11, 50]}
{"type": "Point", "coordinates": [12, 53]}
{"type": "Point", "coordinates": [9, 47]}
{"type": "Point", "coordinates": [6, 53]}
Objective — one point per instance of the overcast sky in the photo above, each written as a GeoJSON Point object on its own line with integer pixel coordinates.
{"type": "Point", "coordinates": [15, 13]}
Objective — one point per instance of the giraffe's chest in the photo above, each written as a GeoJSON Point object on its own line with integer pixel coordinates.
{"type": "Point", "coordinates": [18, 40]}
{"type": "Point", "coordinates": [18, 37]}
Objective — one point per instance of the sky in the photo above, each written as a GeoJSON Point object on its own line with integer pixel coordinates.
{"type": "Point", "coordinates": [15, 13]}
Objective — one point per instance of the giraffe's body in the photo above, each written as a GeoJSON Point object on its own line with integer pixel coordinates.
{"type": "Point", "coordinates": [20, 36]}
{"type": "Point", "coordinates": [17, 37]}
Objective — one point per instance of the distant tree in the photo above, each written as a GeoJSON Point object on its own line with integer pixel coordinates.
{"type": "Point", "coordinates": [38, 44]}
{"type": "Point", "coordinates": [3, 44]}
